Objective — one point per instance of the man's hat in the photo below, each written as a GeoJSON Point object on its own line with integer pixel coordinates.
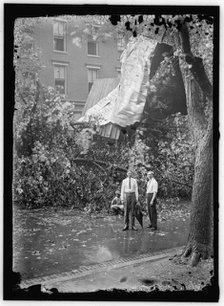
{"type": "Point", "coordinates": [117, 192]}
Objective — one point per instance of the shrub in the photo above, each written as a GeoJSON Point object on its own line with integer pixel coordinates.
{"type": "Point", "coordinates": [51, 175]}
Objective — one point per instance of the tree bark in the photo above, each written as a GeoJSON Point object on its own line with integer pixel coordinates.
{"type": "Point", "coordinates": [199, 240]}
{"type": "Point", "coordinates": [199, 91]}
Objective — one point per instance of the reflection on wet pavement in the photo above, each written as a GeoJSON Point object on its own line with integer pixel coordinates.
{"type": "Point", "coordinates": [45, 243]}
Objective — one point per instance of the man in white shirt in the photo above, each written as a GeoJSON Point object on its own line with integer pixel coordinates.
{"type": "Point", "coordinates": [129, 196]}
{"type": "Point", "coordinates": [151, 192]}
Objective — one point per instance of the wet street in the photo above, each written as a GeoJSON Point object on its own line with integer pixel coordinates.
{"type": "Point", "coordinates": [47, 242]}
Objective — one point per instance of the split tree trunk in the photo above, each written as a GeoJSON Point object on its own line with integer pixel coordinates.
{"type": "Point", "coordinates": [195, 79]}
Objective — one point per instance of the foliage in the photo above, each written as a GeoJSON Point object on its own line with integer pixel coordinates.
{"type": "Point", "coordinates": [171, 157]}
{"type": "Point", "coordinates": [201, 39]}
{"type": "Point", "coordinates": [176, 159]}
{"type": "Point", "coordinates": [50, 177]}
{"type": "Point", "coordinates": [27, 68]}
{"type": "Point", "coordinates": [42, 178]}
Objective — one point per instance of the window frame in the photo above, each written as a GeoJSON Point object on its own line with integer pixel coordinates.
{"type": "Point", "coordinates": [92, 67]}
{"type": "Point", "coordinates": [65, 25]}
{"type": "Point", "coordinates": [97, 49]}
{"type": "Point", "coordinates": [90, 39]}
{"type": "Point", "coordinates": [64, 65]}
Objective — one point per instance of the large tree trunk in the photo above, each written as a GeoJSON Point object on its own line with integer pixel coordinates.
{"type": "Point", "coordinates": [199, 240]}
{"type": "Point", "coordinates": [200, 234]}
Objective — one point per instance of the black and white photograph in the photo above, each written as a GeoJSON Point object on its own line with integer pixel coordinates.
{"type": "Point", "coordinates": [111, 143]}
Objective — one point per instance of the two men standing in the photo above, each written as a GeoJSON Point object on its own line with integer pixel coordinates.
{"type": "Point", "coordinates": [129, 196]}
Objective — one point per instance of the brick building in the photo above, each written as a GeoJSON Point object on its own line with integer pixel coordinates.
{"type": "Point", "coordinates": [71, 69]}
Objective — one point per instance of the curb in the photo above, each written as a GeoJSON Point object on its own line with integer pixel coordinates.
{"type": "Point", "coordinates": [108, 265]}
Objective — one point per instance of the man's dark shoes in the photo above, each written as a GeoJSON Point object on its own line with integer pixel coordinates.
{"type": "Point", "coordinates": [125, 228]}
{"type": "Point", "coordinates": [153, 228]}
{"type": "Point", "coordinates": [134, 228]}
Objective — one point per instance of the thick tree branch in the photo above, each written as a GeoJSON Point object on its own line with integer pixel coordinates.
{"type": "Point", "coordinates": [151, 118]}
{"type": "Point", "coordinates": [200, 90]}
{"type": "Point", "coordinates": [179, 183]}
{"type": "Point", "coordinates": [200, 76]}
{"type": "Point", "coordinates": [147, 127]}
{"type": "Point", "coordinates": [197, 67]}
{"type": "Point", "coordinates": [98, 163]}
{"type": "Point", "coordinates": [185, 40]}
{"type": "Point", "coordinates": [83, 160]}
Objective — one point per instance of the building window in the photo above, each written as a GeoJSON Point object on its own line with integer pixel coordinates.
{"type": "Point", "coordinates": [93, 74]}
{"type": "Point", "coordinates": [92, 46]}
{"type": "Point", "coordinates": [120, 42]}
{"type": "Point", "coordinates": [59, 30]}
{"type": "Point", "coordinates": [60, 78]}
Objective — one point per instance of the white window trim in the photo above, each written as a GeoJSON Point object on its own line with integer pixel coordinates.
{"type": "Point", "coordinates": [89, 55]}
{"type": "Point", "coordinates": [64, 52]}
{"type": "Point", "coordinates": [60, 63]}
{"type": "Point", "coordinates": [93, 67]}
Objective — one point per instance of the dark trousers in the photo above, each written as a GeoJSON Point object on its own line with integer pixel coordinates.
{"type": "Point", "coordinates": [152, 210]}
{"type": "Point", "coordinates": [129, 205]}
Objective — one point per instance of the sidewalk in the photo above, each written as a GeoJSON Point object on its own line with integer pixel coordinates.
{"type": "Point", "coordinates": [143, 273]}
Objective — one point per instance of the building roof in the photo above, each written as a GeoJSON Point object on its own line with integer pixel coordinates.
{"type": "Point", "coordinates": [100, 89]}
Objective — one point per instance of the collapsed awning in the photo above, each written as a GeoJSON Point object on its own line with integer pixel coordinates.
{"type": "Point", "coordinates": [124, 105]}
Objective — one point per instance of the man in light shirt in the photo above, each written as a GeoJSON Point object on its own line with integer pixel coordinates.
{"type": "Point", "coordinates": [129, 196]}
{"type": "Point", "coordinates": [151, 191]}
